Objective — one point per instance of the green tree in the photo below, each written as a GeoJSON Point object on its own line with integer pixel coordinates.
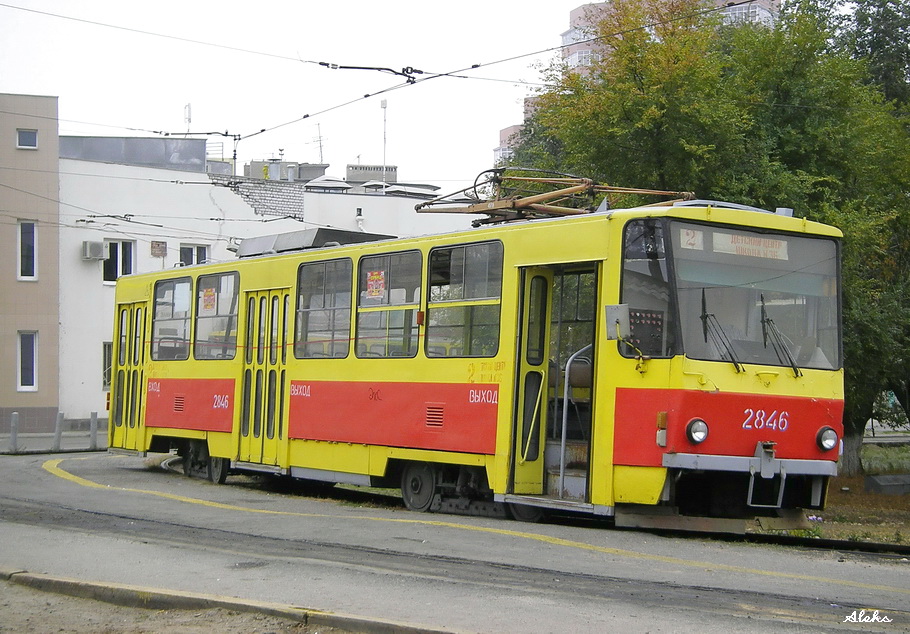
{"type": "Point", "coordinates": [639, 114]}
{"type": "Point", "coordinates": [834, 150]}
{"type": "Point", "coordinates": [880, 34]}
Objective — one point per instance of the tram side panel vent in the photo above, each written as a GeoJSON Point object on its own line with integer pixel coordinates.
{"type": "Point", "coordinates": [435, 415]}
{"type": "Point", "coordinates": [179, 402]}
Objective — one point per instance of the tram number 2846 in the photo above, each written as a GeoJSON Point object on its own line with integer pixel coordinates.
{"type": "Point", "coordinates": [760, 419]}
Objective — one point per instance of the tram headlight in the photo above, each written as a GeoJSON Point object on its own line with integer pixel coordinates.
{"type": "Point", "coordinates": [826, 438]}
{"type": "Point", "coordinates": [697, 431]}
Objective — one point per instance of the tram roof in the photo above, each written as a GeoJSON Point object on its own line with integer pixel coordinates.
{"type": "Point", "coordinates": [305, 239]}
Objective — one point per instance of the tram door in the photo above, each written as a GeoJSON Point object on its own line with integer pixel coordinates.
{"type": "Point", "coordinates": [263, 433]}
{"type": "Point", "coordinates": [128, 373]}
{"type": "Point", "coordinates": [531, 390]}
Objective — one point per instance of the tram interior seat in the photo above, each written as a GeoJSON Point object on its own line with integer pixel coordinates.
{"type": "Point", "coordinates": [314, 349]}
{"type": "Point", "coordinates": [170, 345]}
{"type": "Point", "coordinates": [580, 383]}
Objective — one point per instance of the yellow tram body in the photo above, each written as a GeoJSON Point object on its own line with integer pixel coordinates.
{"type": "Point", "coordinates": [445, 363]}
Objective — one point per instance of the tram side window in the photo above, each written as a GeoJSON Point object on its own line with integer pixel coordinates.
{"type": "Point", "coordinates": [389, 297]}
{"type": "Point", "coordinates": [323, 309]}
{"type": "Point", "coordinates": [216, 316]}
{"type": "Point", "coordinates": [465, 293]}
{"type": "Point", "coordinates": [171, 321]}
{"type": "Point", "coordinates": [646, 289]}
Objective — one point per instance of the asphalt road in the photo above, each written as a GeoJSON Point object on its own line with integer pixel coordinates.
{"type": "Point", "coordinates": [121, 520]}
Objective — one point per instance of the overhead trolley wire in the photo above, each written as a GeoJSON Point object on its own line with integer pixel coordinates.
{"type": "Point", "coordinates": [408, 72]}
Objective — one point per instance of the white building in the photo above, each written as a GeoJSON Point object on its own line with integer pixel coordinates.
{"type": "Point", "coordinates": [152, 218]}
{"type": "Point", "coordinates": [127, 205]}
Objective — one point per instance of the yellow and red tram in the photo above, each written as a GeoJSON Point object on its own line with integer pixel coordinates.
{"type": "Point", "coordinates": [673, 365]}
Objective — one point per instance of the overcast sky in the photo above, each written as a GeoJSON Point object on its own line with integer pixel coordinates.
{"type": "Point", "coordinates": [442, 130]}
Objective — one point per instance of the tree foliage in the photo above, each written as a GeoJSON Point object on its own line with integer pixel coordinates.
{"type": "Point", "coordinates": [802, 114]}
{"type": "Point", "coordinates": [880, 34]}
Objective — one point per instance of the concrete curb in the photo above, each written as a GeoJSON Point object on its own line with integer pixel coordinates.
{"type": "Point", "coordinates": [160, 599]}
{"type": "Point", "coordinates": [33, 452]}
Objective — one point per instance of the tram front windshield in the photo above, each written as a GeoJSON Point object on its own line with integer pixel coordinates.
{"type": "Point", "coordinates": [741, 296]}
{"type": "Point", "coordinates": [761, 298]}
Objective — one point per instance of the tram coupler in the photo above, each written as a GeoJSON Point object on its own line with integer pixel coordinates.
{"type": "Point", "coordinates": [769, 469]}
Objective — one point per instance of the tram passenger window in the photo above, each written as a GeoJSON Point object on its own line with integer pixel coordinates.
{"type": "Point", "coordinates": [646, 289]}
{"type": "Point", "coordinates": [323, 309]}
{"type": "Point", "coordinates": [171, 320]}
{"type": "Point", "coordinates": [216, 316]}
{"type": "Point", "coordinates": [465, 293]}
{"type": "Point", "coordinates": [389, 297]}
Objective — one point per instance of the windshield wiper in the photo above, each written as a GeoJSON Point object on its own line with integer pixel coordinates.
{"type": "Point", "coordinates": [712, 328]}
{"type": "Point", "coordinates": [769, 330]}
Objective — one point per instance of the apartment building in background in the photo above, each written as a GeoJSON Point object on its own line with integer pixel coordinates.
{"type": "Point", "coordinates": [29, 241]}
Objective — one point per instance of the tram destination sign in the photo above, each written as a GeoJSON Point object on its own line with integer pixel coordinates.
{"type": "Point", "coordinates": [741, 244]}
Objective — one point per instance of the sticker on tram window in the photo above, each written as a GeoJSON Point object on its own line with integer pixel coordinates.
{"type": "Point", "coordinates": [375, 283]}
{"type": "Point", "coordinates": [208, 299]}
{"type": "Point", "coordinates": [761, 419]}
{"type": "Point", "coordinates": [692, 239]}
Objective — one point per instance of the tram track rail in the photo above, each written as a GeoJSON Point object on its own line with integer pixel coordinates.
{"type": "Point", "coordinates": [897, 552]}
{"type": "Point", "coordinates": [248, 550]}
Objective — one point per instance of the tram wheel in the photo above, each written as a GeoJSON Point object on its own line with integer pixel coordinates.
{"type": "Point", "coordinates": [525, 513]}
{"type": "Point", "coordinates": [418, 486]}
{"type": "Point", "coordinates": [218, 469]}
{"type": "Point", "coordinates": [195, 457]}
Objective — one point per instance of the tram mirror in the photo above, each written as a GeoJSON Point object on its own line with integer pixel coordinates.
{"type": "Point", "coordinates": [618, 322]}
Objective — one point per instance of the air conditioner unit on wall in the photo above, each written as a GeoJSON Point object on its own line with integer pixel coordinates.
{"type": "Point", "coordinates": [94, 250]}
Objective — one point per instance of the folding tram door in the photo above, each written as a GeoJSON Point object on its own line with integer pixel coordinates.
{"type": "Point", "coordinates": [263, 430]}
{"type": "Point", "coordinates": [553, 413]}
{"type": "Point", "coordinates": [531, 389]}
{"type": "Point", "coordinates": [128, 374]}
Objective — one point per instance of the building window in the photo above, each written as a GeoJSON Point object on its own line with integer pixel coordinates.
{"type": "Point", "coordinates": [324, 309]}
{"type": "Point", "coordinates": [107, 359]}
{"type": "Point", "coordinates": [119, 261]}
{"type": "Point", "coordinates": [28, 260]}
{"type": "Point", "coordinates": [27, 139]}
{"type": "Point", "coordinates": [193, 254]}
{"type": "Point", "coordinates": [28, 361]}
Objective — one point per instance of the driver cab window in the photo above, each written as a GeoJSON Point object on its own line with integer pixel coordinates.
{"type": "Point", "coordinates": [646, 289]}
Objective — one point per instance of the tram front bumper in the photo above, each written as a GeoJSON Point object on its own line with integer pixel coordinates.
{"type": "Point", "coordinates": [764, 466]}
{"type": "Point", "coordinates": [763, 463]}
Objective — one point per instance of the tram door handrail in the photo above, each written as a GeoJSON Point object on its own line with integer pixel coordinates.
{"type": "Point", "coordinates": [566, 388]}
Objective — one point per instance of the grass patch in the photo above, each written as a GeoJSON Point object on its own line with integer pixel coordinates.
{"type": "Point", "coordinates": [882, 460]}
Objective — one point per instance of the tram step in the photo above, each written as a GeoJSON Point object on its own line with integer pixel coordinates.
{"type": "Point", "coordinates": [574, 485]}
{"type": "Point", "coordinates": [576, 452]}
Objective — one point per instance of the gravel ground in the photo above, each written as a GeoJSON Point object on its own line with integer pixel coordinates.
{"type": "Point", "coordinates": [25, 609]}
